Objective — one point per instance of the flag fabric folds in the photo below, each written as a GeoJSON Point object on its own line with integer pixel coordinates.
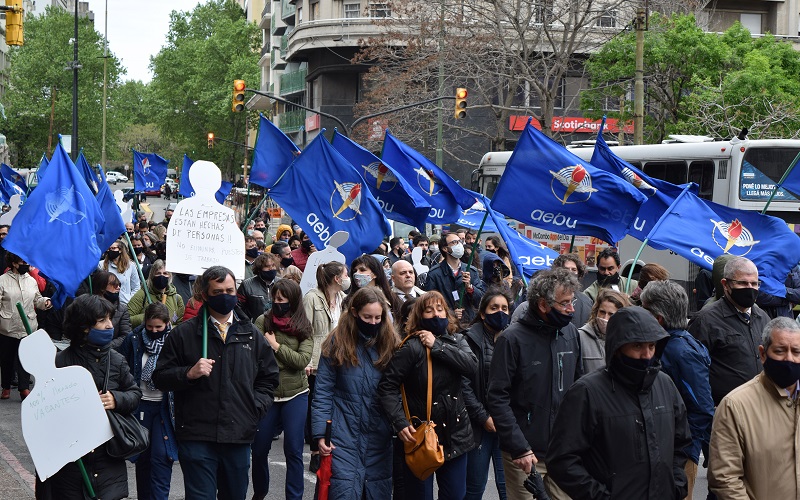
{"type": "Point", "coordinates": [701, 231]}
{"type": "Point", "coordinates": [393, 192]}
{"type": "Point", "coordinates": [63, 210]}
{"type": "Point", "coordinates": [324, 193]}
{"type": "Point", "coordinates": [273, 154]}
{"type": "Point", "coordinates": [13, 176]}
{"type": "Point", "coordinates": [114, 226]}
{"type": "Point", "coordinates": [43, 163]}
{"type": "Point", "coordinates": [187, 191]}
{"type": "Point", "coordinates": [548, 187]}
{"type": "Point", "coordinates": [8, 188]}
{"type": "Point", "coordinates": [445, 196]}
{"type": "Point", "coordinates": [149, 171]}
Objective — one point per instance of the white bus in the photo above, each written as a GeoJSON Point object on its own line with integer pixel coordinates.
{"type": "Point", "coordinates": [737, 173]}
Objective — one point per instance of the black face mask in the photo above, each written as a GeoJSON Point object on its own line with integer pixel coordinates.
{"type": "Point", "coordinates": [435, 325]}
{"type": "Point", "coordinates": [287, 261]}
{"type": "Point", "coordinates": [130, 235]}
{"type": "Point", "coordinates": [160, 282]}
{"type": "Point", "coordinates": [607, 280]}
{"type": "Point", "coordinates": [636, 363]}
{"type": "Point", "coordinates": [630, 369]}
{"type": "Point", "coordinates": [497, 321]}
{"type": "Point", "coordinates": [368, 329]}
{"type": "Point", "coordinates": [252, 252]}
{"type": "Point", "coordinates": [112, 297]}
{"type": "Point", "coordinates": [281, 309]}
{"type": "Point", "coordinates": [558, 319]}
{"type": "Point", "coordinates": [744, 297]}
{"type": "Point", "coordinates": [156, 335]}
{"type": "Point", "coordinates": [138, 250]}
{"type": "Point", "coordinates": [112, 254]}
{"type": "Point", "coordinates": [222, 303]}
{"type": "Point", "coordinates": [23, 268]}
{"type": "Point", "coordinates": [268, 276]}
{"type": "Point", "coordinates": [307, 244]}
{"type": "Point", "coordinates": [783, 373]}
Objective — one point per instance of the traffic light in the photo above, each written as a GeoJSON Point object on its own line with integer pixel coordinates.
{"type": "Point", "coordinates": [460, 110]}
{"type": "Point", "coordinates": [211, 140]}
{"type": "Point", "coordinates": [238, 96]}
{"type": "Point", "coordinates": [14, 19]}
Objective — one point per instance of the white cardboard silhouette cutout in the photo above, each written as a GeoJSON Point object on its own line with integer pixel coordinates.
{"type": "Point", "coordinates": [124, 206]}
{"type": "Point", "coordinates": [330, 253]}
{"type": "Point", "coordinates": [15, 203]}
{"type": "Point", "coordinates": [416, 259]}
{"type": "Point", "coordinates": [202, 233]}
{"type": "Point", "coordinates": [61, 396]}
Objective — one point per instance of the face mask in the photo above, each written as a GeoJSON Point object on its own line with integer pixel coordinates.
{"type": "Point", "coordinates": [602, 324]}
{"type": "Point", "coordinates": [608, 280]}
{"type": "Point", "coordinates": [146, 243]}
{"type": "Point", "coordinates": [346, 284]}
{"type": "Point", "coordinates": [252, 252]}
{"type": "Point", "coordinates": [307, 244]}
{"type": "Point", "coordinates": [160, 282]}
{"type": "Point", "coordinates": [558, 319]}
{"type": "Point", "coordinates": [457, 251]}
{"type": "Point", "coordinates": [138, 250]}
{"type": "Point", "coordinates": [362, 280]}
{"type": "Point", "coordinates": [23, 268]}
{"type": "Point", "coordinates": [281, 309]}
{"type": "Point", "coordinates": [783, 373]}
{"type": "Point", "coordinates": [249, 232]}
{"type": "Point", "coordinates": [744, 297]}
{"type": "Point", "coordinates": [112, 254]}
{"type": "Point", "coordinates": [268, 276]}
{"type": "Point", "coordinates": [100, 338]}
{"type": "Point", "coordinates": [497, 321]}
{"type": "Point", "coordinates": [130, 236]}
{"type": "Point", "coordinates": [156, 335]}
{"type": "Point", "coordinates": [435, 325]}
{"type": "Point", "coordinates": [287, 261]}
{"type": "Point", "coordinates": [388, 273]}
{"type": "Point", "coordinates": [112, 297]}
{"type": "Point", "coordinates": [368, 329]}
{"type": "Point", "coordinates": [222, 303]}
{"type": "Point", "coordinates": [636, 363]}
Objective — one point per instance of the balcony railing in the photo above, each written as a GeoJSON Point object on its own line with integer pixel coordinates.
{"type": "Point", "coordinates": [294, 81]}
{"type": "Point", "coordinates": [287, 10]}
{"type": "Point", "coordinates": [291, 121]}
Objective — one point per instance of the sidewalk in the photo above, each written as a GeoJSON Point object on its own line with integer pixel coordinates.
{"type": "Point", "coordinates": [12, 487]}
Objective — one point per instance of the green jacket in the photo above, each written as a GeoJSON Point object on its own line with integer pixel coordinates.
{"type": "Point", "coordinates": [173, 301]}
{"type": "Point", "coordinates": [292, 356]}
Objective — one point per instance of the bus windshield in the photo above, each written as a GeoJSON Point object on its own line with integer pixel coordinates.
{"type": "Point", "coordinates": [762, 168]}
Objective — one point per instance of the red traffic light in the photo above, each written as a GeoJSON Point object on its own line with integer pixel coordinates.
{"type": "Point", "coordinates": [461, 93]}
{"type": "Point", "coordinates": [238, 85]}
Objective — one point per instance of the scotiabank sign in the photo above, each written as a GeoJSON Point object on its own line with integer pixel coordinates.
{"type": "Point", "coordinates": [571, 124]}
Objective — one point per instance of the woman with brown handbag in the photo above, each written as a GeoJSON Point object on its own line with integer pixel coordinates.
{"type": "Point", "coordinates": [428, 371]}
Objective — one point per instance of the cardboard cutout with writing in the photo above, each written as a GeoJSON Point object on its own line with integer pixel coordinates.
{"type": "Point", "coordinates": [202, 233]}
{"type": "Point", "coordinates": [124, 206]}
{"type": "Point", "coordinates": [416, 259]}
{"type": "Point", "coordinates": [330, 253]}
{"type": "Point", "coordinates": [61, 396]}
{"type": "Point", "coordinates": [15, 203]}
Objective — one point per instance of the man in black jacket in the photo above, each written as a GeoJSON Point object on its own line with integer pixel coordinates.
{"type": "Point", "coordinates": [460, 285]}
{"type": "Point", "coordinates": [254, 293]}
{"type": "Point", "coordinates": [535, 361]}
{"type": "Point", "coordinates": [219, 397]}
{"type": "Point", "coordinates": [620, 431]}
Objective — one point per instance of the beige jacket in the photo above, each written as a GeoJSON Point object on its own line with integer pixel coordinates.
{"type": "Point", "coordinates": [18, 288]}
{"type": "Point", "coordinates": [315, 305]}
{"type": "Point", "coordinates": [754, 444]}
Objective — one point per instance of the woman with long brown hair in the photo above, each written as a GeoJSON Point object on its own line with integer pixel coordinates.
{"type": "Point", "coordinates": [117, 261]}
{"type": "Point", "coordinates": [353, 359]}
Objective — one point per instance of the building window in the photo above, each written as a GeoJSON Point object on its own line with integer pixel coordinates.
{"type": "Point", "coordinates": [379, 9]}
{"type": "Point", "coordinates": [543, 12]}
{"type": "Point", "coordinates": [352, 10]}
{"type": "Point", "coordinates": [299, 15]}
{"type": "Point", "coordinates": [608, 19]}
{"type": "Point", "coordinates": [313, 11]}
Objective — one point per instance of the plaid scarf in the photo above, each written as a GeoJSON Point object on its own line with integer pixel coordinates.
{"type": "Point", "coordinates": [153, 348]}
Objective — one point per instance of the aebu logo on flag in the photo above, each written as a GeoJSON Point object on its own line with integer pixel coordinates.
{"type": "Point", "coordinates": [346, 201]}
{"type": "Point", "coordinates": [573, 179]}
{"type": "Point", "coordinates": [733, 238]}
{"type": "Point", "coordinates": [428, 182]}
{"type": "Point", "coordinates": [385, 180]}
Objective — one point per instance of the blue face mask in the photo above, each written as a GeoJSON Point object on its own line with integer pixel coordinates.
{"type": "Point", "coordinates": [222, 303]}
{"type": "Point", "coordinates": [100, 338]}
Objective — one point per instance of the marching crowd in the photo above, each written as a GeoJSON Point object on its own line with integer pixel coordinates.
{"type": "Point", "coordinates": [425, 370]}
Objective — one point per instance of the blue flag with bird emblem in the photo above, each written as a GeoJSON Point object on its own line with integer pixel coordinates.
{"type": "Point", "coordinates": [149, 171]}
{"type": "Point", "coordinates": [62, 207]}
{"type": "Point", "coordinates": [393, 193]}
{"type": "Point", "coordinates": [273, 154]}
{"type": "Point", "coordinates": [8, 188]}
{"type": "Point", "coordinates": [187, 191]}
{"type": "Point", "coordinates": [445, 196]}
{"type": "Point", "coordinates": [42, 167]}
{"type": "Point", "coordinates": [548, 187]}
{"type": "Point", "coordinates": [324, 193]}
{"type": "Point", "coordinates": [13, 176]}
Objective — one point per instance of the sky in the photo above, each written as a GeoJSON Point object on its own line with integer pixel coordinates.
{"type": "Point", "coordinates": [136, 29]}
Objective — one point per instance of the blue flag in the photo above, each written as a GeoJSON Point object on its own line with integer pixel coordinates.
{"type": "Point", "coordinates": [64, 209]}
{"type": "Point", "coordinates": [396, 197]}
{"type": "Point", "coordinates": [12, 175]}
{"type": "Point", "coordinates": [701, 231]}
{"type": "Point", "coordinates": [187, 191]}
{"type": "Point", "coordinates": [273, 154]}
{"type": "Point", "coordinates": [324, 193]}
{"type": "Point", "coordinates": [548, 187]}
{"type": "Point", "coordinates": [149, 171]}
{"type": "Point", "coordinates": [444, 195]}
{"type": "Point", "coordinates": [473, 217]}
{"type": "Point", "coordinates": [660, 194]}
{"type": "Point", "coordinates": [43, 163]}
{"type": "Point", "coordinates": [9, 188]}
{"type": "Point", "coordinates": [114, 226]}
{"type": "Point", "coordinates": [87, 172]}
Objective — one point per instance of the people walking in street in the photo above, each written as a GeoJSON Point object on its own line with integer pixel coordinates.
{"type": "Point", "coordinates": [117, 260]}
{"type": "Point", "coordinates": [106, 285]}
{"type": "Point", "coordinates": [593, 333]}
{"type": "Point", "coordinates": [254, 294]}
{"type": "Point", "coordinates": [161, 289]}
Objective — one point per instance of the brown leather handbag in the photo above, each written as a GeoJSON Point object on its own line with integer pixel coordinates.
{"type": "Point", "coordinates": [425, 454]}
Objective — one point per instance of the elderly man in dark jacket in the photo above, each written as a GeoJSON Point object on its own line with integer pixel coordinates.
{"type": "Point", "coordinates": [535, 361]}
{"type": "Point", "coordinates": [621, 432]}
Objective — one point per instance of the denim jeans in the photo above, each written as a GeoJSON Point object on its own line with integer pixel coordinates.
{"type": "Point", "coordinates": [153, 467]}
{"type": "Point", "coordinates": [209, 468]}
{"type": "Point", "coordinates": [451, 478]}
{"type": "Point", "coordinates": [478, 467]}
{"type": "Point", "coordinates": [291, 416]}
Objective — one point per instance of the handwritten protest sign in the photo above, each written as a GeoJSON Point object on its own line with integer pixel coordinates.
{"type": "Point", "coordinates": [330, 253]}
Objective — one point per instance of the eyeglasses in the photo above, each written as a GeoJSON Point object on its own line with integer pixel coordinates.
{"type": "Point", "coordinates": [455, 242]}
{"type": "Point", "coordinates": [745, 284]}
{"type": "Point", "coordinates": [566, 304]}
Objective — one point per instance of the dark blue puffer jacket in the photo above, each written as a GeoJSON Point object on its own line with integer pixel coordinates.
{"type": "Point", "coordinates": [347, 395]}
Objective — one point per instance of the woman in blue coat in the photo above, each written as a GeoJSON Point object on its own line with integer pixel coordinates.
{"type": "Point", "coordinates": [353, 359]}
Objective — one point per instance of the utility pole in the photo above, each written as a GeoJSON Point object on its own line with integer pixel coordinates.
{"type": "Point", "coordinates": [638, 86]}
{"type": "Point", "coordinates": [105, 89]}
{"type": "Point", "coordinates": [440, 111]}
{"type": "Point", "coordinates": [75, 67]}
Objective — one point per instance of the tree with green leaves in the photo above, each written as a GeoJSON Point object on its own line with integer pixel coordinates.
{"type": "Point", "coordinates": [206, 50]}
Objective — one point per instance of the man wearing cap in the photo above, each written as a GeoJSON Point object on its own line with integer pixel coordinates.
{"type": "Point", "coordinates": [621, 431]}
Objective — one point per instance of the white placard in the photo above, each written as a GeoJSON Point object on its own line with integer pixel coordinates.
{"type": "Point", "coordinates": [124, 206]}
{"type": "Point", "coordinates": [202, 233]}
{"type": "Point", "coordinates": [416, 258]}
{"type": "Point", "coordinates": [61, 397]}
{"type": "Point", "coordinates": [330, 253]}
{"type": "Point", "coordinates": [15, 203]}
